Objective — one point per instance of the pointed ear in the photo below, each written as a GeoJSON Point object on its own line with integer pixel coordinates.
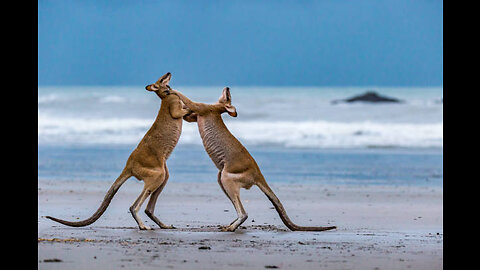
{"type": "Point", "coordinates": [225, 97]}
{"type": "Point", "coordinates": [231, 110]}
{"type": "Point", "coordinates": [165, 79]}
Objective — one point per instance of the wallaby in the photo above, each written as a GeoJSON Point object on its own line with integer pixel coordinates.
{"type": "Point", "coordinates": [148, 161]}
{"type": "Point", "coordinates": [237, 168]}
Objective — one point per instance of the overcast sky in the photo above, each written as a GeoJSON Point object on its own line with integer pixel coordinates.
{"type": "Point", "coordinates": [274, 43]}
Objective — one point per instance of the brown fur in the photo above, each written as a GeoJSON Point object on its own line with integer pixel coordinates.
{"type": "Point", "coordinates": [237, 168]}
{"type": "Point", "coordinates": [147, 161]}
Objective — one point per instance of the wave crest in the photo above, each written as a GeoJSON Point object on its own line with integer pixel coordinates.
{"type": "Point", "coordinates": [303, 134]}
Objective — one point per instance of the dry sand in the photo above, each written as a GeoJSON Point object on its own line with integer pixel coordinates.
{"type": "Point", "coordinates": [378, 228]}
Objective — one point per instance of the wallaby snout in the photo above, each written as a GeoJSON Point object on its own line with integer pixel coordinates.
{"type": "Point", "coordinates": [152, 87]}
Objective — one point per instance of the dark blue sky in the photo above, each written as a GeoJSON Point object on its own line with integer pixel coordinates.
{"type": "Point", "coordinates": [310, 43]}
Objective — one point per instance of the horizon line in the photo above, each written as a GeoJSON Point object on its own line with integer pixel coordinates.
{"type": "Point", "coordinates": [278, 86]}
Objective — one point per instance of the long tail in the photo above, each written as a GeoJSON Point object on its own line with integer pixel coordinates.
{"type": "Point", "coordinates": [283, 214]}
{"type": "Point", "coordinates": [106, 201]}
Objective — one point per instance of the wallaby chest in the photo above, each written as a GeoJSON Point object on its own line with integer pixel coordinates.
{"type": "Point", "coordinates": [211, 132]}
{"type": "Point", "coordinates": [165, 132]}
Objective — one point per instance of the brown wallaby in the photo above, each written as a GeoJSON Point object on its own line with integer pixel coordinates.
{"type": "Point", "coordinates": [237, 168]}
{"type": "Point", "coordinates": [148, 161]}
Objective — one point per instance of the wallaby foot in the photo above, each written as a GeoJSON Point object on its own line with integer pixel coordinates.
{"type": "Point", "coordinates": [161, 224]}
{"type": "Point", "coordinates": [140, 224]}
{"type": "Point", "coordinates": [234, 225]}
{"type": "Point", "coordinates": [227, 229]}
{"type": "Point", "coordinates": [157, 221]}
{"type": "Point", "coordinates": [146, 228]}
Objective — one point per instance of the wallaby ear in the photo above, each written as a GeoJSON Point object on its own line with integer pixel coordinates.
{"type": "Point", "coordinates": [225, 97]}
{"type": "Point", "coordinates": [165, 79]}
{"type": "Point", "coordinates": [231, 110]}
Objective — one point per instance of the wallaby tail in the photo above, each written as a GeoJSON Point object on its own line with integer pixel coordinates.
{"type": "Point", "coordinates": [106, 201]}
{"type": "Point", "coordinates": [283, 214]}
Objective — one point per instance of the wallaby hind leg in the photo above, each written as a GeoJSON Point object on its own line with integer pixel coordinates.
{"type": "Point", "coordinates": [151, 184]}
{"type": "Point", "coordinates": [221, 185]}
{"type": "Point", "coordinates": [232, 190]}
{"type": "Point", "coordinates": [136, 206]}
{"type": "Point", "coordinates": [153, 200]}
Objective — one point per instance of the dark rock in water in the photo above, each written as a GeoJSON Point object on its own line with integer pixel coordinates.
{"type": "Point", "coordinates": [52, 260]}
{"type": "Point", "coordinates": [369, 96]}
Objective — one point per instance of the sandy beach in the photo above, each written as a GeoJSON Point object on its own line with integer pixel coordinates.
{"type": "Point", "coordinates": [378, 227]}
{"type": "Point", "coordinates": [340, 104]}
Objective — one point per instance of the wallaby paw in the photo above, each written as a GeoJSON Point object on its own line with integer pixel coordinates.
{"type": "Point", "coordinates": [168, 227]}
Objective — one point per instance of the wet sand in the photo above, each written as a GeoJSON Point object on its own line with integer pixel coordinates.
{"type": "Point", "coordinates": [378, 227]}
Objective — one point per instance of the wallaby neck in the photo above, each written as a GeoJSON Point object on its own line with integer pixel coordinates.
{"type": "Point", "coordinates": [162, 115]}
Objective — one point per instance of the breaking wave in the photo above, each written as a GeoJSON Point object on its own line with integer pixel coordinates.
{"type": "Point", "coordinates": [295, 134]}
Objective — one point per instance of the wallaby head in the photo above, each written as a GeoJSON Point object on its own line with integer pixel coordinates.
{"type": "Point", "coordinates": [161, 87]}
{"type": "Point", "coordinates": [225, 103]}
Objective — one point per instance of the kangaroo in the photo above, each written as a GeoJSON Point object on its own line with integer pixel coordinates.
{"type": "Point", "coordinates": [237, 168]}
{"type": "Point", "coordinates": [148, 161]}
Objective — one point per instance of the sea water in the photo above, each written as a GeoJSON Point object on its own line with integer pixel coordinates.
{"type": "Point", "coordinates": [296, 134]}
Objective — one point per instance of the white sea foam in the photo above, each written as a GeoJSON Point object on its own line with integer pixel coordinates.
{"type": "Point", "coordinates": [47, 98]}
{"type": "Point", "coordinates": [323, 134]}
{"type": "Point", "coordinates": [112, 99]}
{"type": "Point", "coordinates": [267, 116]}
{"type": "Point", "coordinates": [309, 134]}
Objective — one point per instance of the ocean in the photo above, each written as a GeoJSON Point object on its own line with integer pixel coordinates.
{"type": "Point", "coordinates": [296, 134]}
